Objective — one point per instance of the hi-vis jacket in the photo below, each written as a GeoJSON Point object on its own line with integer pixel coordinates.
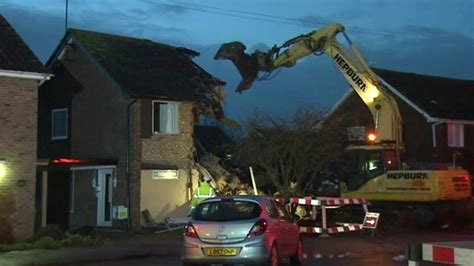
{"type": "Point", "coordinates": [201, 193]}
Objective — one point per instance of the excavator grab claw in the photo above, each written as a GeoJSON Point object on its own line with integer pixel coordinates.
{"type": "Point", "coordinates": [247, 65]}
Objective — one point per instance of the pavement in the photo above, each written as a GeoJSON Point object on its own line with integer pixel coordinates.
{"type": "Point", "coordinates": [121, 246]}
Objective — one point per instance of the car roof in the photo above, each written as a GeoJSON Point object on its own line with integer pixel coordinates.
{"type": "Point", "coordinates": [256, 198]}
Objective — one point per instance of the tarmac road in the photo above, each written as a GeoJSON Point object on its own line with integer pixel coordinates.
{"type": "Point", "coordinates": [338, 250]}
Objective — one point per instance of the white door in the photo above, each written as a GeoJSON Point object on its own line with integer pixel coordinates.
{"type": "Point", "coordinates": [104, 199]}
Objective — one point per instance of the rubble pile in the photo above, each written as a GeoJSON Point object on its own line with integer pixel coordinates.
{"type": "Point", "coordinates": [225, 182]}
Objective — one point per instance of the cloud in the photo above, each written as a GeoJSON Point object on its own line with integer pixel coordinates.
{"type": "Point", "coordinates": [165, 8]}
{"type": "Point", "coordinates": [124, 23]}
{"type": "Point", "coordinates": [424, 50]}
{"type": "Point", "coordinates": [49, 26]}
{"type": "Point", "coordinates": [313, 20]}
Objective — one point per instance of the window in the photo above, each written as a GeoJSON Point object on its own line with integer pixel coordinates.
{"type": "Point", "coordinates": [456, 135]}
{"type": "Point", "coordinates": [225, 211]}
{"type": "Point", "coordinates": [272, 210]}
{"type": "Point", "coordinates": [165, 118]}
{"type": "Point", "coordinates": [59, 123]}
{"type": "Point", "coordinates": [362, 165]}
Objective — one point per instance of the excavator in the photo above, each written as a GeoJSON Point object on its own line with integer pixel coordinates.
{"type": "Point", "coordinates": [374, 170]}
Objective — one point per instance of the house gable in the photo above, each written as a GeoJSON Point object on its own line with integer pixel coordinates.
{"type": "Point", "coordinates": [425, 122]}
{"type": "Point", "coordinates": [439, 97]}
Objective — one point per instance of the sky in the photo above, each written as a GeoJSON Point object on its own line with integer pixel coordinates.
{"type": "Point", "coordinates": [431, 37]}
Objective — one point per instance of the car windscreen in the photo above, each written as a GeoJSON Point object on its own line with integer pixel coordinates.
{"type": "Point", "coordinates": [224, 211]}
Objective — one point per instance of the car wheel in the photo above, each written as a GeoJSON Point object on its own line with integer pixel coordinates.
{"type": "Point", "coordinates": [273, 260]}
{"type": "Point", "coordinates": [297, 258]}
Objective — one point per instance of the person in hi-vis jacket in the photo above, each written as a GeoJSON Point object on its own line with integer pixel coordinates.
{"type": "Point", "coordinates": [202, 192]}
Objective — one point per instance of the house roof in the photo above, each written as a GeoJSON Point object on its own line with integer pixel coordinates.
{"type": "Point", "coordinates": [144, 68]}
{"type": "Point", "coordinates": [439, 97]}
{"type": "Point", "coordinates": [15, 55]}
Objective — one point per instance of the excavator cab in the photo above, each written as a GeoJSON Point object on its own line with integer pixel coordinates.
{"type": "Point", "coordinates": [363, 163]}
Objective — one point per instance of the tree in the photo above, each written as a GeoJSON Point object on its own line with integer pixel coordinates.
{"type": "Point", "coordinates": [291, 153]}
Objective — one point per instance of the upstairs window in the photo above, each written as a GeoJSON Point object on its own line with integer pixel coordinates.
{"type": "Point", "coordinates": [165, 118]}
{"type": "Point", "coordinates": [456, 135]}
{"type": "Point", "coordinates": [59, 124]}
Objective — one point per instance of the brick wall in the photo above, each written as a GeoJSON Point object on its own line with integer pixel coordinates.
{"type": "Point", "coordinates": [160, 149]}
{"type": "Point", "coordinates": [135, 162]}
{"type": "Point", "coordinates": [18, 120]}
{"type": "Point", "coordinates": [172, 148]}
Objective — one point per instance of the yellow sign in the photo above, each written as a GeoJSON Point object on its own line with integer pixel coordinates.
{"type": "Point", "coordinates": [222, 252]}
{"type": "Point", "coordinates": [122, 213]}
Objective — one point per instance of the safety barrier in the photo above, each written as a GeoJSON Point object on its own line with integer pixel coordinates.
{"type": "Point", "coordinates": [458, 253]}
{"type": "Point", "coordinates": [324, 203]}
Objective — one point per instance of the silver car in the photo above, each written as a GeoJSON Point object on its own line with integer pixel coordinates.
{"type": "Point", "coordinates": [241, 230]}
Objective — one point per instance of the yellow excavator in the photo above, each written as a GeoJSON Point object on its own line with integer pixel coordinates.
{"type": "Point", "coordinates": [374, 168]}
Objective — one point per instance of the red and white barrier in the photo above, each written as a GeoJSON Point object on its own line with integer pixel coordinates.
{"type": "Point", "coordinates": [459, 253]}
{"type": "Point", "coordinates": [331, 230]}
{"type": "Point", "coordinates": [328, 201]}
{"type": "Point", "coordinates": [323, 203]}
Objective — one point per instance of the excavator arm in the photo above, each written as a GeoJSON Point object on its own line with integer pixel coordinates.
{"type": "Point", "coordinates": [353, 67]}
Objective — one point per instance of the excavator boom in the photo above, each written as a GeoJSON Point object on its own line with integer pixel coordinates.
{"type": "Point", "coordinates": [352, 65]}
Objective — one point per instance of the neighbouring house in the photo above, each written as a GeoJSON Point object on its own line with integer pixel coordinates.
{"type": "Point", "coordinates": [20, 76]}
{"type": "Point", "coordinates": [116, 128]}
{"type": "Point", "coordinates": [437, 113]}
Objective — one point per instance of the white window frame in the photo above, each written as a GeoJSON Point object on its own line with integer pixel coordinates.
{"type": "Point", "coordinates": [153, 117]}
{"type": "Point", "coordinates": [455, 135]}
{"type": "Point", "coordinates": [53, 137]}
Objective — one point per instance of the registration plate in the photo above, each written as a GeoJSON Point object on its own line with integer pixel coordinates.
{"type": "Point", "coordinates": [222, 252]}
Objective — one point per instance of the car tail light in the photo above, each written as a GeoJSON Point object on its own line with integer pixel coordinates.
{"type": "Point", "coordinates": [190, 231]}
{"type": "Point", "coordinates": [258, 228]}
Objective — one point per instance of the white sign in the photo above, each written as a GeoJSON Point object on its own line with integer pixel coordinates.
{"type": "Point", "coordinates": [165, 174]}
{"type": "Point", "coordinates": [371, 220]}
{"type": "Point", "coordinates": [356, 133]}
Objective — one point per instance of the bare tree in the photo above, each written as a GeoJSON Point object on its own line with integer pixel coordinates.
{"type": "Point", "coordinates": [291, 153]}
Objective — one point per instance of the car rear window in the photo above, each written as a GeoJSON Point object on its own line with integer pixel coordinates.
{"type": "Point", "coordinates": [226, 211]}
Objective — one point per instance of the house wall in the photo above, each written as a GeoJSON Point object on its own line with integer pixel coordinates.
{"type": "Point", "coordinates": [417, 136]}
{"type": "Point", "coordinates": [175, 151]}
{"type": "Point", "coordinates": [84, 206]}
{"type": "Point", "coordinates": [464, 155]}
{"type": "Point", "coordinates": [98, 121]}
{"type": "Point", "coordinates": [55, 93]}
{"type": "Point", "coordinates": [174, 201]}
{"type": "Point", "coordinates": [18, 118]}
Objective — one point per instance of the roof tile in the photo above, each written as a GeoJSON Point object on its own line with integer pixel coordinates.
{"type": "Point", "coordinates": [15, 55]}
{"type": "Point", "coordinates": [438, 96]}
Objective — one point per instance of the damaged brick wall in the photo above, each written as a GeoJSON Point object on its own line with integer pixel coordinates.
{"type": "Point", "coordinates": [173, 149]}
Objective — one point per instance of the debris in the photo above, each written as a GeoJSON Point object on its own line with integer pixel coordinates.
{"type": "Point", "coordinates": [399, 258]}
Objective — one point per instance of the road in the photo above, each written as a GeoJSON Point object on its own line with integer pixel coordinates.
{"type": "Point", "coordinates": [338, 250]}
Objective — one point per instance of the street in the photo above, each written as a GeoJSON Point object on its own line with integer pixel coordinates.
{"type": "Point", "coordinates": [351, 249]}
